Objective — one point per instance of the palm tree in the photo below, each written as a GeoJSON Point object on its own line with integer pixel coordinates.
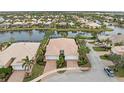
{"type": "Point", "coordinates": [61, 60]}
{"type": "Point", "coordinates": [27, 63]}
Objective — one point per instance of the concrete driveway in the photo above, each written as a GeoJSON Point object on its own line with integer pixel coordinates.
{"type": "Point", "coordinates": [17, 76]}
{"type": "Point", "coordinates": [72, 64]}
{"type": "Point", "coordinates": [50, 65]}
{"type": "Point", "coordinates": [96, 74]}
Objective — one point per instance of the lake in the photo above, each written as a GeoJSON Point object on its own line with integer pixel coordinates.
{"type": "Point", "coordinates": [115, 31]}
{"type": "Point", "coordinates": [34, 35]}
{"type": "Point", "coordinates": [37, 35]}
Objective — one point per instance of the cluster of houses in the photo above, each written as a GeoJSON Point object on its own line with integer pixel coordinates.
{"type": "Point", "coordinates": [28, 21]}
{"type": "Point", "coordinates": [117, 43]}
{"type": "Point", "coordinates": [88, 23]}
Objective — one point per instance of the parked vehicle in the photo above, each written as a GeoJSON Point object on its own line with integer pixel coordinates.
{"type": "Point", "coordinates": [109, 71]}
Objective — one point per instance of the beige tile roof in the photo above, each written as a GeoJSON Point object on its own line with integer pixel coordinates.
{"type": "Point", "coordinates": [68, 45]}
{"type": "Point", "coordinates": [19, 51]}
{"type": "Point", "coordinates": [119, 50]}
{"type": "Point", "coordinates": [117, 38]}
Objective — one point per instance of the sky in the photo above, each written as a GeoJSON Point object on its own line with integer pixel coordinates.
{"type": "Point", "coordinates": [61, 5]}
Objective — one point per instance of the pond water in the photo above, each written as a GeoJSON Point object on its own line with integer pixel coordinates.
{"type": "Point", "coordinates": [116, 30]}
{"type": "Point", "coordinates": [35, 35]}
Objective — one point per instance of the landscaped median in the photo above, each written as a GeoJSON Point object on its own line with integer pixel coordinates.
{"type": "Point", "coordinates": [101, 48]}
{"type": "Point", "coordinates": [83, 51]}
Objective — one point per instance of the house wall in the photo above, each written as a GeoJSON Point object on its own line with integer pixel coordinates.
{"type": "Point", "coordinates": [17, 67]}
{"type": "Point", "coordinates": [47, 57]}
{"type": "Point", "coordinates": [71, 57]}
{"type": "Point", "coordinates": [57, 57]}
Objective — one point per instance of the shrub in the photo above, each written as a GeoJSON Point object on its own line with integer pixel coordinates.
{"type": "Point", "coordinates": [82, 62]}
{"type": "Point", "coordinates": [2, 75]}
{"type": "Point", "coordinates": [41, 51]}
{"type": "Point", "coordinates": [118, 44]}
{"type": "Point", "coordinates": [5, 71]}
{"type": "Point", "coordinates": [61, 61]}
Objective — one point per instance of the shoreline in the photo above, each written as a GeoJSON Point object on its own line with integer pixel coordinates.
{"type": "Point", "coordinates": [55, 29]}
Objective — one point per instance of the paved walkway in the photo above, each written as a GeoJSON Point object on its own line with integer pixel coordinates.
{"type": "Point", "coordinates": [72, 64]}
{"type": "Point", "coordinates": [50, 65]}
{"type": "Point", "coordinates": [17, 76]}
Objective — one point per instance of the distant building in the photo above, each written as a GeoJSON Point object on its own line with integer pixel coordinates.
{"type": "Point", "coordinates": [118, 50]}
{"type": "Point", "coordinates": [1, 19]}
{"type": "Point", "coordinates": [117, 38]}
{"type": "Point", "coordinates": [62, 23]}
{"type": "Point", "coordinates": [93, 25]}
{"type": "Point", "coordinates": [102, 37]}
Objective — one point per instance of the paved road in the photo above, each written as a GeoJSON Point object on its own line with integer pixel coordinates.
{"type": "Point", "coordinates": [96, 74]}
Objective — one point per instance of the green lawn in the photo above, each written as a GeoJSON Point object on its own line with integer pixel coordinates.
{"type": "Point", "coordinates": [86, 65]}
{"type": "Point", "coordinates": [104, 57]}
{"type": "Point", "coordinates": [100, 49]}
{"type": "Point", "coordinates": [36, 71]}
{"type": "Point", "coordinates": [92, 42]}
{"type": "Point", "coordinates": [120, 72]}
{"type": "Point", "coordinates": [57, 29]}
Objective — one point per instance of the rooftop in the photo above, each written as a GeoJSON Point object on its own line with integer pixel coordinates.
{"type": "Point", "coordinates": [68, 45]}
{"type": "Point", "coordinates": [119, 50]}
{"type": "Point", "coordinates": [19, 51]}
{"type": "Point", "coordinates": [117, 38]}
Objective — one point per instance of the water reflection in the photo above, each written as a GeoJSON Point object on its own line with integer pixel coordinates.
{"type": "Point", "coordinates": [116, 30]}
{"type": "Point", "coordinates": [37, 35]}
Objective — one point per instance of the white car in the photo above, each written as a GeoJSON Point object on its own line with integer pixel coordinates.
{"type": "Point", "coordinates": [109, 71]}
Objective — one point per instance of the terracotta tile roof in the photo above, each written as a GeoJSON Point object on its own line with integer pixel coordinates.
{"type": "Point", "coordinates": [119, 50]}
{"type": "Point", "coordinates": [19, 51]}
{"type": "Point", "coordinates": [68, 45]}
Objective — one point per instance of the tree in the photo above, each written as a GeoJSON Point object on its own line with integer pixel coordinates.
{"type": "Point", "coordinates": [122, 61]}
{"type": "Point", "coordinates": [107, 44]}
{"type": "Point", "coordinates": [61, 61]}
{"type": "Point", "coordinates": [1, 46]}
{"type": "Point", "coordinates": [27, 63]}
